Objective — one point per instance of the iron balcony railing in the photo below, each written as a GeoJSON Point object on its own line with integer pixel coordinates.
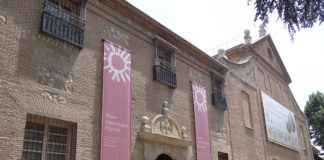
{"type": "Point", "coordinates": [62, 24]}
{"type": "Point", "coordinates": [165, 74]}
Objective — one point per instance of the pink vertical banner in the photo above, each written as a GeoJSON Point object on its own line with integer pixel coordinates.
{"type": "Point", "coordinates": [116, 103]}
{"type": "Point", "coordinates": [203, 146]}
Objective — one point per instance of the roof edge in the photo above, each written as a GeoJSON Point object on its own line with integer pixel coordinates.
{"type": "Point", "coordinates": [128, 10]}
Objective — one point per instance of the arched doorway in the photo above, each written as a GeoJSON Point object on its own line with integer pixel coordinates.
{"type": "Point", "coordinates": [163, 157]}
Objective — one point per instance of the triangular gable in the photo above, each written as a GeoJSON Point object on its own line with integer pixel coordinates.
{"type": "Point", "coordinates": [276, 63]}
{"type": "Point", "coordinates": [266, 49]}
{"type": "Point", "coordinates": [259, 49]}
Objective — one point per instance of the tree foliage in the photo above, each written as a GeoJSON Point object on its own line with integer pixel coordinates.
{"type": "Point", "coordinates": [314, 111]}
{"type": "Point", "coordinates": [295, 13]}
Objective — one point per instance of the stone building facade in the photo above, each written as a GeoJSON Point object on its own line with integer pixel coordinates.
{"type": "Point", "coordinates": [51, 85]}
{"type": "Point", "coordinates": [257, 68]}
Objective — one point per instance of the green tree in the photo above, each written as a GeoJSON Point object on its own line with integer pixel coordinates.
{"type": "Point", "coordinates": [314, 111]}
{"type": "Point", "coordinates": [295, 13]}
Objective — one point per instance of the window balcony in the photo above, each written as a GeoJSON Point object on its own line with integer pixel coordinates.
{"type": "Point", "coordinates": [62, 24]}
{"type": "Point", "coordinates": [165, 74]}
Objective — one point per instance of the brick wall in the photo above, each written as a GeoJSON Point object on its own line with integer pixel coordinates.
{"type": "Point", "coordinates": [260, 73]}
{"type": "Point", "coordinates": [45, 76]}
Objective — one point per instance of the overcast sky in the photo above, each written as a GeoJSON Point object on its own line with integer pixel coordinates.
{"type": "Point", "coordinates": [212, 24]}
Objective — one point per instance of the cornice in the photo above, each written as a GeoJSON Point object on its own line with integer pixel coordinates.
{"type": "Point", "coordinates": [135, 15]}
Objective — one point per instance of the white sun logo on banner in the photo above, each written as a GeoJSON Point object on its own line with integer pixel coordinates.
{"type": "Point", "coordinates": [200, 98]}
{"type": "Point", "coordinates": [117, 62]}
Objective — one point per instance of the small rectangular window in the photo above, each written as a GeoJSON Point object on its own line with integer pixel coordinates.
{"type": "Point", "coordinates": [218, 94]}
{"type": "Point", "coordinates": [165, 57]}
{"type": "Point", "coordinates": [164, 69]}
{"type": "Point", "coordinates": [48, 139]}
{"type": "Point", "coordinates": [246, 107]}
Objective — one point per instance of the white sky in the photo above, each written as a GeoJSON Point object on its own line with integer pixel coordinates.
{"type": "Point", "coordinates": [212, 24]}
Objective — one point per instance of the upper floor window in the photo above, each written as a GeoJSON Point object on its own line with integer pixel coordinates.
{"type": "Point", "coordinates": [246, 107]}
{"type": "Point", "coordinates": [270, 55]}
{"type": "Point", "coordinates": [48, 139]}
{"type": "Point", "coordinates": [164, 69]}
{"type": "Point", "coordinates": [164, 57]}
{"type": "Point", "coordinates": [218, 95]}
{"type": "Point", "coordinates": [65, 20]}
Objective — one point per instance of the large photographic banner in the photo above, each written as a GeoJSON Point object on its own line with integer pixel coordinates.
{"type": "Point", "coordinates": [201, 122]}
{"type": "Point", "coordinates": [280, 123]}
{"type": "Point", "coordinates": [116, 103]}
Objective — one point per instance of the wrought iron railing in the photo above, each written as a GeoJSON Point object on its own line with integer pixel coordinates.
{"type": "Point", "coordinates": [165, 75]}
{"type": "Point", "coordinates": [62, 24]}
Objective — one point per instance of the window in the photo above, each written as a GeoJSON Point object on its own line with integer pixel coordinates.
{"type": "Point", "coordinates": [246, 107]}
{"type": "Point", "coordinates": [303, 137]}
{"type": "Point", "coordinates": [218, 96]}
{"type": "Point", "coordinates": [164, 57]}
{"type": "Point", "coordinates": [222, 156]}
{"type": "Point", "coordinates": [65, 20]}
{"type": "Point", "coordinates": [164, 63]}
{"type": "Point", "coordinates": [267, 83]}
{"type": "Point", "coordinates": [48, 139]}
{"type": "Point", "coordinates": [270, 54]}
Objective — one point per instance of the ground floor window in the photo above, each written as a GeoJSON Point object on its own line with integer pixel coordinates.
{"type": "Point", "coordinates": [49, 139]}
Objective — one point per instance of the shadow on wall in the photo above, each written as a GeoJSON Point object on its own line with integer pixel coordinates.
{"type": "Point", "coordinates": [163, 157]}
{"type": "Point", "coordinates": [29, 53]}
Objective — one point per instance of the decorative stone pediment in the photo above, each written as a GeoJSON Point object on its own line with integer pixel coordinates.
{"type": "Point", "coordinates": [163, 125]}
{"type": "Point", "coordinates": [161, 134]}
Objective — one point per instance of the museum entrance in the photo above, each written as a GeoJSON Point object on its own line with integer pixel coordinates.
{"type": "Point", "coordinates": [163, 157]}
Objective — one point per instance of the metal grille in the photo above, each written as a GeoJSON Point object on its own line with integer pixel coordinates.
{"type": "Point", "coordinates": [47, 139]}
{"type": "Point", "coordinates": [33, 141]}
{"type": "Point", "coordinates": [62, 23]}
{"type": "Point", "coordinates": [165, 75]}
{"type": "Point", "coordinates": [164, 69]}
{"type": "Point", "coordinates": [57, 143]}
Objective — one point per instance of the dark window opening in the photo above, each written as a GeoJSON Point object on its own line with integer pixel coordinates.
{"type": "Point", "coordinates": [65, 20]}
{"type": "Point", "coordinates": [222, 156]}
{"type": "Point", "coordinates": [164, 64]}
{"type": "Point", "coordinates": [49, 139]}
{"type": "Point", "coordinates": [163, 157]}
{"type": "Point", "coordinates": [218, 95]}
{"type": "Point", "coordinates": [165, 56]}
{"type": "Point", "coordinates": [270, 55]}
